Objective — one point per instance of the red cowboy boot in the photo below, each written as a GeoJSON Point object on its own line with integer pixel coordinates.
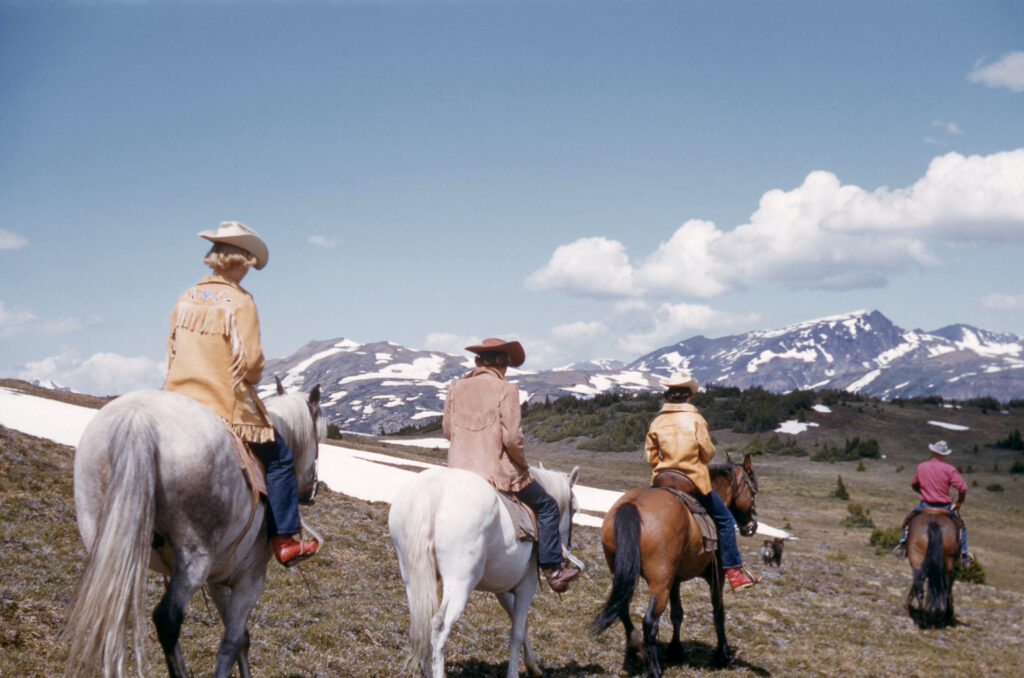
{"type": "Point", "coordinates": [741, 578]}
{"type": "Point", "coordinates": [559, 577]}
{"type": "Point", "coordinates": [290, 552]}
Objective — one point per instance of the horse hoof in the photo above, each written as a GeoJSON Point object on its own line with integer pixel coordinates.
{"type": "Point", "coordinates": [674, 653]}
{"type": "Point", "coordinates": [724, 657]}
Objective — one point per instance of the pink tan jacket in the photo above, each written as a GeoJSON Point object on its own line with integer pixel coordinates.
{"type": "Point", "coordinates": [678, 438]}
{"type": "Point", "coordinates": [214, 355]}
{"type": "Point", "coordinates": [482, 421]}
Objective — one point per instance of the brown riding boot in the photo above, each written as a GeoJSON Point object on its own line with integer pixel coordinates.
{"type": "Point", "coordinates": [559, 577]}
{"type": "Point", "coordinates": [290, 552]}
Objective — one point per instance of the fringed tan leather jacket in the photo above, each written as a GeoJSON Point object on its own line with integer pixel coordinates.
{"type": "Point", "coordinates": [678, 438]}
{"type": "Point", "coordinates": [482, 421]}
{"type": "Point", "coordinates": [214, 355]}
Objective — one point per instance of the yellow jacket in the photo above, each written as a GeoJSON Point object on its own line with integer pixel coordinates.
{"type": "Point", "coordinates": [678, 438]}
{"type": "Point", "coordinates": [214, 355]}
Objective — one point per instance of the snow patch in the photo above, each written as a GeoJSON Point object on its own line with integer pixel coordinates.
{"type": "Point", "coordinates": [951, 427]}
{"type": "Point", "coordinates": [793, 426]}
{"type": "Point", "coordinates": [824, 409]}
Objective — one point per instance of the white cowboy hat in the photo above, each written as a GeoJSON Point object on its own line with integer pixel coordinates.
{"type": "Point", "coordinates": [240, 235]}
{"type": "Point", "coordinates": [940, 448]}
{"type": "Point", "coordinates": [513, 349]}
{"type": "Point", "coordinates": [680, 380]}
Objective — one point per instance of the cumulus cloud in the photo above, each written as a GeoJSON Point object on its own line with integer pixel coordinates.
{"type": "Point", "coordinates": [579, 331]}
{"type": "Point", "coordinates": [1004, 302]}
{"type": "Point", "coordinates": [11, 241]}
{"type": "Point", "coordinates": [16, 321]}
{"type": "Point", "coordinates": [321, 241]}
{"type": "Point", "coordinates": [1007, 71]}
{"type": "Point", "coordinates": [593, 267]}
{"type": "Point", "coordinates": [669, 323]}
{"type": "Point", "coordinates": [822, 234]}
{"type": "Point", "coordinates": [100, 374]}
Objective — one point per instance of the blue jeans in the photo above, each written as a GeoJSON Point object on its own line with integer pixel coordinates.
{"type": "Point", "coordinates": [282, 488]}
{"type": "Point", "coordinates": [728, 551]}
{"type": "Point", "coordinates": [549, 543]}
{"type": "Point", "coordinates": [949, 507]}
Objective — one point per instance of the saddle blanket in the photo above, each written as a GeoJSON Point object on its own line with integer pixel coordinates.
{"type": "Point", "coordinates": [704, 521]}
{"type": "Point", "coordinates": [522, 517]}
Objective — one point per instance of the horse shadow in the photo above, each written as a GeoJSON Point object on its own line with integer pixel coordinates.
{"type": "Point", "coordinates": [473, 668]}
{"type": "Point", "coordinates": [694, 655]}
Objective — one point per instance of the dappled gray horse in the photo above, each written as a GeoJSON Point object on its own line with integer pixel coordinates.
{"type": "Point", "coordinates": [157, 483]}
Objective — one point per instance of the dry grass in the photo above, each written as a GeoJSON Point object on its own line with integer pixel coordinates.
{"type": "Point", "coordinates": [834, 608]}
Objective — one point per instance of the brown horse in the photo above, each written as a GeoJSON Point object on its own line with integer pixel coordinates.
{"type": "Point", "coordinates": [933, 545]}
{"type": "Point", "coordinates": [650, 532]}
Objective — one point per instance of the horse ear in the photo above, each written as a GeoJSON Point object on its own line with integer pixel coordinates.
{"type": "Point", "coordinates": [314, 395]}
{"type": "Point", "coordinates": [728, 458]}
{"type": "Point", "coordinates": [574, 475]}
{"type": "Point", "coordinates": [747, 463]}
{"type": "Point", "coordinates": [280, 386]}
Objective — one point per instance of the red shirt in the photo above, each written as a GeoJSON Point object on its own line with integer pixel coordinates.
{"type": "Point", "coordinates": [933, 479]}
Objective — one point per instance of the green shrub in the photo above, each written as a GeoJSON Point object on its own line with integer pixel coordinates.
{"type": "Point", "coordinates": [1017, 467]}
{"type": "Point", "coordinates": [994, 487]}
{"type": "Point", "coordinates": [857, 516]}
{"type": "Point", "coordinates": [975, 574]}
{"type": "Point", "coordinates": [853, 449]}
{"type": "Point", "coordinates": [840, 491]}
{"type": "Point", "coordinates": [885, 540]}
{"type": "Point", "coordinates": [774, 445]}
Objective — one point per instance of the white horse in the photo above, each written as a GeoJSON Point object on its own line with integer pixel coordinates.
{"type": "Point", "coordinates": [451, 523]}
{"type": "Point", "coordinates": [157, 482]}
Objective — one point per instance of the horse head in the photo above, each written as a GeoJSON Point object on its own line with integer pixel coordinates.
{"type": "Point", "coordinates": [743, 488]}
{"type": "Point", "coordinates": [300, 419]}
{"type": "Point", "coordinates": [560, 487]}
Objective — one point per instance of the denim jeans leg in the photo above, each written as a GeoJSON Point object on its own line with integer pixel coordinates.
{"type": "Point", "coordinates": [728, 551]}
{"type": "Point", "coordinates": [282, 488]}
{"type": "Point", "coordinates": [549, 543]}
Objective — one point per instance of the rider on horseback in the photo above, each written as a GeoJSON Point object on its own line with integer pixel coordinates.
{"type": "Point", "coordinates": [678, 439]}
{"type": "Point", "coordinates": [214, 356]}
{"type": "Point", "coordinates": [933, 480]}
{"type": "Point", "coordinates": [481, 419]}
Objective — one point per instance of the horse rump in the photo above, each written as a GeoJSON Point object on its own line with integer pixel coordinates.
{"type": "Point", "coordinates": [626, 568]}
{"type": "Point", "coordinates": [932, 584]}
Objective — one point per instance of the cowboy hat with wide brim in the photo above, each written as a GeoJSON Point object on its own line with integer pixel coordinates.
{"type": "Point", "coordinates": [513, 349]}
{"type": "Point", "coordinates": [940, 448]}
{"type": "Point", "coordinates": [680, 380]}
{"type": "Point", "coordinates": [240, 235]}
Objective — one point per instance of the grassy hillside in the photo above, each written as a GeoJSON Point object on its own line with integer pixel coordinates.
{"type": "Point", "coordinates": [834, 608]}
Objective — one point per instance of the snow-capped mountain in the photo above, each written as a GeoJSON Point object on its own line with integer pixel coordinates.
{"type": "Point", "coordinates": [384, 386]}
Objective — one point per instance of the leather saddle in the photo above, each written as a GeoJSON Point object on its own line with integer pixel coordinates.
{"type": "Point", "coordinates": [957, 520]}
{"type": "Point", "coordinates": [679, 484]}
{"type": "Point", "coordinates": [522, 516]}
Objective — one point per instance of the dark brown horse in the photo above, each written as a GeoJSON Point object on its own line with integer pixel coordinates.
{"type": "Point", "coordinates": [933, 545]}
{"type": "Point", "coordinates": [650, 532]}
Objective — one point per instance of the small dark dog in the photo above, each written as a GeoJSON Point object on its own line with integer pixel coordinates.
{"type": "Point", "coordinates": [771, 551]}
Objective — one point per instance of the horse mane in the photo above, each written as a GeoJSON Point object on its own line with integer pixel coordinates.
{"type": "Point", "coordinates": [549, 480]}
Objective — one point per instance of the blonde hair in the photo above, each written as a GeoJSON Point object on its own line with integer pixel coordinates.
{"type": "Point", "coordinates": [223, 256]}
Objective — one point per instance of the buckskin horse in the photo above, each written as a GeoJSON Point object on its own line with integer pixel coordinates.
{"type": "Point", "coordinates": [650, 532]}
{"type": "Point", "coordinates": [157, 482]}
{"type": "Point", "coordinates": [450, 523]}
{"type": "Point", "coordinates": [933, 545]}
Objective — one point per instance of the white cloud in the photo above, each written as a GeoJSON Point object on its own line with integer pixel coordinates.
{"type": "Point", "coordinates": [11, 241]}
{"type": "Point", "coordinates": [321, 241]}
{"type": "Point", "coordinates": [822, 235]}
{"type": "Point", "coordinates": [13, 321]}
{"type": "Point", "coordinates": [449, 343]}
{"type": "Point", "coordinates": [578, 331]}
{"type": "Point", "coordinates": [100, 374]}
{"type": "Point", "coordinates": [671, 323]}
{"type": "Point", "coordinates": [948, 126]}
{"type": "Point", "coordinates": [1004, 302]}
{"type": "Point", "coordinates": [1007, 72]}
{"type": "Point", "coordinates": [592, 267]}
{"type": "Point", "coordinates": [16, 321]}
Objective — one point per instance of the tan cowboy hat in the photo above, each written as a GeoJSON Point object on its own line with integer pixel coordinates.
{"type": "Point", "coordinates": [680, 380]}
{"type": "Point", "coordinates": [513, 349]}
{"type": "Point", "coordinates": [940, 448]}
{"type": "Point", "coordinates": [240, 235]}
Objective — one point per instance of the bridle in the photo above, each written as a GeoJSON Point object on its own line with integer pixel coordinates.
{"type": "Point", "coordinates": [750, 486]}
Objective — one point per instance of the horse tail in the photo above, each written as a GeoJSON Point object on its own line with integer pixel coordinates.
{"type": "Point", "coordinates": [627, 567]}
{"type": "Point", "coordinates": [934, 569]}
{"type": "Point", "coordinates": [109, 595]}
{"type": "Point", "coordinates": [411, 522]}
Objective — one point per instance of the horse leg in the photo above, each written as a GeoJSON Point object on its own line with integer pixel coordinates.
{"type": "Point", "coordinates": [675, 647]}
{"type": "Point", "coordinates": [723, 653]}
{"type": "Point", "coordinates": [517, 605]}
{"type": "Point", "coordinates": [634, 640]}
{"type": "Point", "coordinates": [189, 573]}
{"type": "Point", "coordinates": [659, 599]}
{"type": "Point", "coordinates": [453, 603]}
{"type": "Point", "coordinates": [235, 602]}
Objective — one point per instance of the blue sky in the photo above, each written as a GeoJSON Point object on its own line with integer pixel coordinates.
{"type": "Point", "coordinates": [596, 179]}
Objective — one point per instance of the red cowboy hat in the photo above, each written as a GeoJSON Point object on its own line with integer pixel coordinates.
{"type": "Point", "coordinates": [513, 349]}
